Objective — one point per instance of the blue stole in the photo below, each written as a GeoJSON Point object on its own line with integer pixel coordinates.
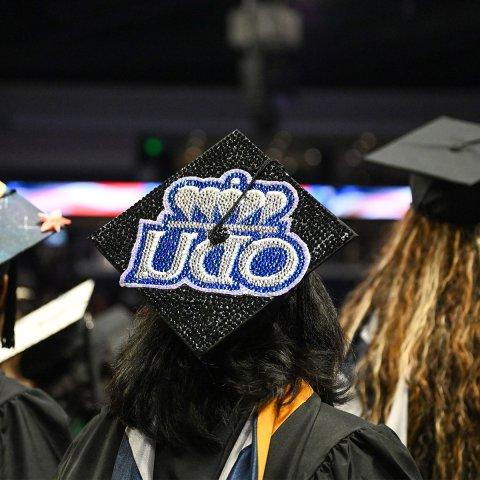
{"type": "Point", "coordinates": [125, 467]}
{"type": "Point", "coordinates": [246, 465]}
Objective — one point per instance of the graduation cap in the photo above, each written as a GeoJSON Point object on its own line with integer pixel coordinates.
{"type": "Point", "coordinates": [443, 159]}
{"type": "Point", "coordinates": [50, 319]}
{"type": "Point", "coordinates": [22, 226]}
{"type": "Point", "coordinates": [220, 240]}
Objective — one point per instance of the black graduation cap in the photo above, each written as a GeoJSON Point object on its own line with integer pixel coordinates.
{"type": "Point", "coordinates": [20, 229]}
{"type": "Point", "coordinates": [443, 158]}
{"type": "Point", "coordinates": [219, 240]}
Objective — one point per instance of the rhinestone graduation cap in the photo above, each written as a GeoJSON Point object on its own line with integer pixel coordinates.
{"type": "Point", "coordinates": [219, 240]}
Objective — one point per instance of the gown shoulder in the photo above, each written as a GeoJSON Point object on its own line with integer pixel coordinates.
{"type": "Point", "coordinates": [34, 433]}
{"type": "Point", "coordinates": [369, 451]}
{"type": "Point", "coordinates": [93, 452]}
{"type": "Point", "coordinates": [325, 443]}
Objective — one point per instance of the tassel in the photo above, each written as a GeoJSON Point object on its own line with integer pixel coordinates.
{"type": "Point", "coordinates": [10, 310]}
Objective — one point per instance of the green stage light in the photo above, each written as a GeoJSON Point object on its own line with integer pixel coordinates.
{"type": "Point", "coordinates": [153, 146]}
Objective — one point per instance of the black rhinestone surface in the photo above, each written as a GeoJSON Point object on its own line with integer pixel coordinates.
{"type": "Point", "coordinates": [204, 319]}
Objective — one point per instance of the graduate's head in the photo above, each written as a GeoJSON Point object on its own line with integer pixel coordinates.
{"type": "Point", "coordinates": [160, 387]}
{"type": "Point", "coordinates": [424, 289]}
{"type": "Point", "coordinates": [223, 251]}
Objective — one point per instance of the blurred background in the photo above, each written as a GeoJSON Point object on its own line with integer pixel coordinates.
{"type": "Point", "coordinates": [99, 102]}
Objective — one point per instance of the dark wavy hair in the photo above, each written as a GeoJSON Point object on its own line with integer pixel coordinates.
{"type": "Point", "coordinates": [160, 388]}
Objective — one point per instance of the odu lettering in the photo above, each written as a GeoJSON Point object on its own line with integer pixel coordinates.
{"type": "Point", "coordinates": [260, 257]}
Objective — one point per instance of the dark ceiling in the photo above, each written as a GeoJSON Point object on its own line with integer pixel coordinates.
{"type": "Point", "coordinates": [404, 43]}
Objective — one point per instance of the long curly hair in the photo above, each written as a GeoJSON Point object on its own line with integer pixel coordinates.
{"type": "Point", "coordinates": [425, 291]}
{"type": "Point", "coordinates": [162, 389]}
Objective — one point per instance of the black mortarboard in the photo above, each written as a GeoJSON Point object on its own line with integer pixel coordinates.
{"type": "Point", "coordinates": [20, 229]}
{"type": "Point", "coordinates": [443, 159]}
{"type": "Point", "coordinates": [219, 240]}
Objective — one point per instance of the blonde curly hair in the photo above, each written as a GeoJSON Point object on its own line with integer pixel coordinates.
{"type": "Point", "coordinates": [425, 289]}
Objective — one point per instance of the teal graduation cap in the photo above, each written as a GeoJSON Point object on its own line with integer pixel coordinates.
{"type": "Point", "coordinates": [22, 226]}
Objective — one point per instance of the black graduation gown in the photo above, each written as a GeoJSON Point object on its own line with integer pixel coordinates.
{"type": "Point", "coordinates": [34, 432]}
{"type": "Point", "coordinates": [316, 442]}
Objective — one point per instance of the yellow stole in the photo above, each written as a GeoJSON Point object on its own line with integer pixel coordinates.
{"type": "Point", "coordinates": [269, 419]}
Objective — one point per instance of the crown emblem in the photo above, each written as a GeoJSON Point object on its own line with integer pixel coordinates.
{"type": "Point", "coordinates": [260, 256]}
